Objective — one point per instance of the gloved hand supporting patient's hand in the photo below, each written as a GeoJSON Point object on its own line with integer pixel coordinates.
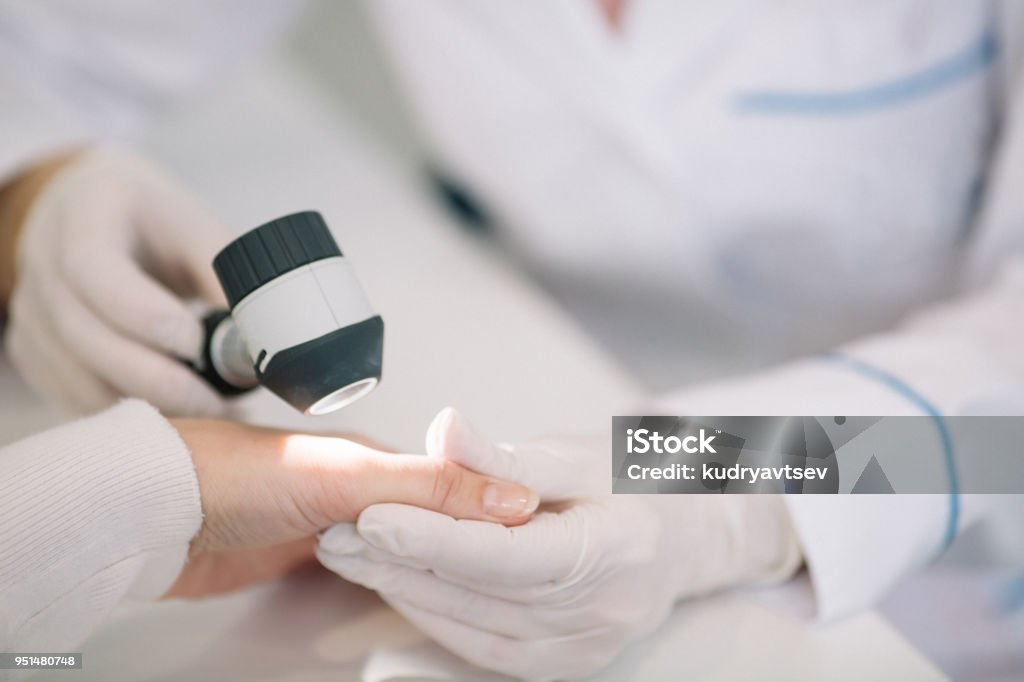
{"type": "Point", "coordinates": [562, 595]}
{"type": "Point", "coordinates": [266, 494]}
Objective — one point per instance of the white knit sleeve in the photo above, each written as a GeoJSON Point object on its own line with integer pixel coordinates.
{"type": "Point", "coordinates": [90, 513]}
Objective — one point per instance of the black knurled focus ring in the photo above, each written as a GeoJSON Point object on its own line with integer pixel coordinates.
{"type": "Point", "coordinates": [271, 250]}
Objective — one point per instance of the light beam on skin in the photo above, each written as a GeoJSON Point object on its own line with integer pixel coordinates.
{"type": "Point", "coordinates": [303, 449]}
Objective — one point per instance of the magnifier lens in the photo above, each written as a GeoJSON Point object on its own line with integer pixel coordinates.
{"type": "Point", "coordinates": [342, 397]}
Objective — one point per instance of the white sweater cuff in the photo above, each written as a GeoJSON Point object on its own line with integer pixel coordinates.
{"type": "Point", "coordinates": [97, 510]}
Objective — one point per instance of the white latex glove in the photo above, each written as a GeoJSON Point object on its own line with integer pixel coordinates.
{"type": "Point", "coordinates": [111, 250]}
{"type": "Point", "coordinates": [562, 595]}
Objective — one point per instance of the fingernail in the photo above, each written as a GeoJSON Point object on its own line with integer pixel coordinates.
{"type": "Point", "coordinates": [509, 499]}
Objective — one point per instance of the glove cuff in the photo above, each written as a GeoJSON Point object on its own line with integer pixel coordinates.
{"type": "Point", "coordinates": [775, 552]}
{"type": "Point", "coordinates": [722, 541]}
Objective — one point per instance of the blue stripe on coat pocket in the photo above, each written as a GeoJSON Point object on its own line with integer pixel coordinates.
{"type": "Point", "coordinates": [975, 58]}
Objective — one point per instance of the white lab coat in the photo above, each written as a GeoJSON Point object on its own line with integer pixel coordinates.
{"type": "Point", "coordinates": [663, 185]}
{"type": "Point", "coordinates": [73, 71]}
{"type": "Point", "coordinates": [725, 186]}
{"type": "Point", "coordinates": [771, 180]}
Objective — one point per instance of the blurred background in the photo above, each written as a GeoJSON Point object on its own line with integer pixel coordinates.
{"type": "Point", "coordinates": [528, 337]}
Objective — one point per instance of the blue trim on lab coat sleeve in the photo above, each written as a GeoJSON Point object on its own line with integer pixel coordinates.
{"type": "Point", "coordinates": [928, 408]}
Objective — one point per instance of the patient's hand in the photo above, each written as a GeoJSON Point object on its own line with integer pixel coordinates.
{"type": "Point", "coordinates": [267, 493]}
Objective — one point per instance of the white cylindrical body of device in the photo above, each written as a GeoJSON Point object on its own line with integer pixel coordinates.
{"type": "Point", "coordinates": [293, 308]}
{"type": "Point", "coordinates": [309, 333]}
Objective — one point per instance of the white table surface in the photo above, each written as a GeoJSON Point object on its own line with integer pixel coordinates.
{"type": "Point", "coordinates": [462, 329]}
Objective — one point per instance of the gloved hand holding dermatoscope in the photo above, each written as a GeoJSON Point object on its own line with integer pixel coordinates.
{"type": "Point", "coordinates": [299, 321]}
